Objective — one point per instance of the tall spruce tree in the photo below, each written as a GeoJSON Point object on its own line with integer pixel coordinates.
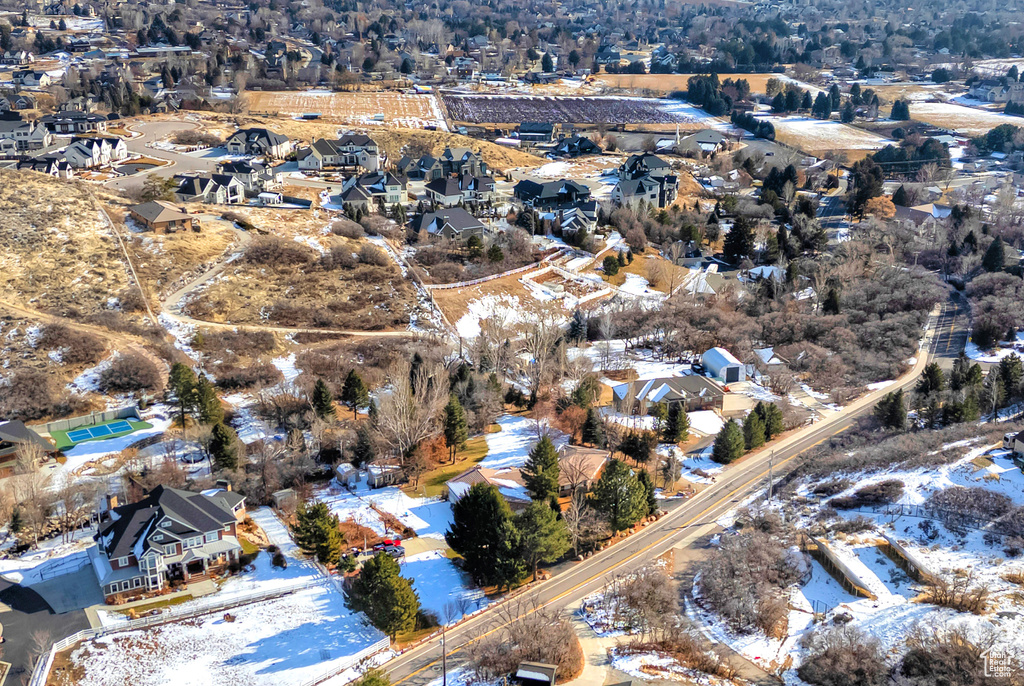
{"type": "Point", "coordinates": [182, 384]}
{"type": "Point", "coordinates": [677, 424]}
{"type": "Point", "coordinates": [593, 430]}
{"type": "Point", "coordinates": [316, 532]}
{"type": "Point", "coordinates": [208, 404]}
{"type": "Point", "coordinates": [753, 431]}
{"type": "Point", "coordinates": [620, 496]}
{"type": "Point", "coordinates": [384, 595]}
{"type": "Point", "coordinates": [729, 443]}
{"type": "Point", "coordinates": [644, 478]}
{"type": "Point", "coordinates": [541, 471]}
{"type": "Point", "coordinates": [484, 534]}
{"type": "Point", "coordinates": [354, 392]}
{"type": "Point", "coordinates": [455, 429]}
{"type": "Point", "coordinates": [543, 536]}
{"type": "Point", "coordinates": [224, 447]}
{"type": "Point", "coordinates": [323, 400]}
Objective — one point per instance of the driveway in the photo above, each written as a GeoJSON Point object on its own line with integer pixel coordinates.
{"type": "Point", "coordinates": [179, 163]}
{"type": "Point", "coordinates": [30, 620]}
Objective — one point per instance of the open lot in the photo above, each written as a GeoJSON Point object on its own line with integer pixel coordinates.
{"type": "Point", "coordinates": [960, 118]}
{"type": "Point", "coordinates": [506, 109]}
{"type": "Point", "coordinates": [402, 110]}
{"type": "Point", "coordinates": [817, 137]}
{"type": "Point", "coordinates": [663, 84]}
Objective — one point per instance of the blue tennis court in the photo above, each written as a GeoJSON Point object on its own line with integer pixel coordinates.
{"type": "Point", "coordinates": [79, 435]}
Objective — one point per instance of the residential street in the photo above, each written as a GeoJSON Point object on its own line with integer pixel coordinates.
{"type": "Point", "coordinates": [686, 522]}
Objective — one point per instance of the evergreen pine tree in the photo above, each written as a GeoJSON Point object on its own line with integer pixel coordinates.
{"type": "Point", "coordinates": [619, 495]}
{"type": "Point", "coordinates": [207, 403]}
{"type": "Point", "coordinates": [384, 595]}
{"type": "Point", "coordinates": [182, 384]}
{"type": "Point", "coordinates": [899, 198]}
{"type": "Point", "coordinates": [831, 304]}
{"type": "Point", "coordinates": [729, 443]}
{"type": "Point", "coordinates": [455, 429]}
{"type": "Point", "coordinates": [541, 471]}
{"type": "Point", "coordinates": [753, 431]}
{"type": "Point", "coordinates": [593, 429]}
{"type": "Point", "coordinates": [364, 451]}
{"type": "Point", "coordinates": [739, 242]}
{"type": "Point", "coordinates": [484, 534]}
{"type": "Point", "coordinates": [224, 447]}
{"type": "Point", "coordinates": [354, 393]}
{"type": "Point", "coordinates": [577, 327]}
{"type": "Point", "coordinates": [316, 532]}
{"type": "Point", "coordinates": [677, 424]}
{"type": "Point", "coordinates": [995, 257]}
{"type": "Point", "coordinates": [542, 536]}
{"type": "Point", "coordinates": [323, 400]}
{"type": "Point", "coordinates": [644, 478]}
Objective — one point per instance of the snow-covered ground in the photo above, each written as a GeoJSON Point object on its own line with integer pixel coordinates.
{"type": "Point", "coordinates": [510, 446]}
{"type": "Point", "coordinates": [82, 453]}
{"type": "Point", "coordinates": [505, 307]}
{"type": "Point", "coordinates": [652, 666]}
{"type": "Point", "coordinates": [895, 611]}
{"type": "Point", "coordinates": [428, 517]}
{"type": "Point", "coordinates": [969, 121]}
{"type": "Point", "coordinates": [277, 642]}
{"type": "Point", "coordinates": [818, 134]}
{"type": "Point", "coordinates": [998, 353]}
{"type": "Point", "coordinates": [443, 588]}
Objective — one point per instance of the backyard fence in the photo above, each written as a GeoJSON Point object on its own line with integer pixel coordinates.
{"type": "Point", "coordinates": [492, 277]}
{"type": "Point", "coordinates": [86, 420]}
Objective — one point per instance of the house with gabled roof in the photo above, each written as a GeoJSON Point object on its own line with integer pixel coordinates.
{"type": "Point", "coordinates": [257, 141]}
{"type": "Point", "coordinates": [169, 536]}
{"type": "Point", "coordinates": [161, 217]}
{"type": "Point", "coordinates": [13, 436]}
{"type": "Point", "coordinates": [453, 223]}
{"type": "Point", "coordinates": [351, 150]}
{"type": "Point", "coordinates": [692, 391]}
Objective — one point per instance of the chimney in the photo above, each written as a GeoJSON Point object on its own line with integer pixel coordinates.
{"type": "Point", "coordinates": [224, 484]}
{"type": "Point", "coordinates": [111, 501]}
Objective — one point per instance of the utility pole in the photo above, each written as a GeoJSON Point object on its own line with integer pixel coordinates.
{"type": "Point", "coordinates": [444, 660]}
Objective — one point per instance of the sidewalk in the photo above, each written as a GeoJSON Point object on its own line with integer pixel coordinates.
{"type": "Point", "coordinates": [597, 665]}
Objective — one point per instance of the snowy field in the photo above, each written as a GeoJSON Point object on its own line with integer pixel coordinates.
{"type": "Point", "coordinates": [965, 120]}
{"type": "Point", "coordinates": [278, 642]}
{"type": "Point", "coordinates": [511, 446]}
{"type": "Point", "coordinates": [896, 610]}
{"type": "Point", "coordinates": [443, 588]}
{"type": "Point", "coordinates": [816, 135]}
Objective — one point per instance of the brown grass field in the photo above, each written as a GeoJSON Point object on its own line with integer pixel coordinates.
{"type": "Point", "coordinates": [663, 84]}
{"type": "Point", "coordinates": [399, 109]}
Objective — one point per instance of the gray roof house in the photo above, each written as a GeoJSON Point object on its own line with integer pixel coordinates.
{"type": "Point", "coordinates": [453, 223]}
{"type": "Point", "coordinates": [259, 142]}
{"type": "Point", "coordinates": [693, 391]}
{"type": "Point", "coordinates": [13, 435]}
{"type": "Point", "coordinates": [351, 150]}
{"type": "Point", "coordinates": [169, 536]}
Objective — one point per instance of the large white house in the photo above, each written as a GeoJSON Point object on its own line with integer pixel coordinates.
{"type": "Point", "coordinates": [351, 150]}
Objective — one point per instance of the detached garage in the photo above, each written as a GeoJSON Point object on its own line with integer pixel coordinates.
{"type": "Point", "coordinates": [721, 365]}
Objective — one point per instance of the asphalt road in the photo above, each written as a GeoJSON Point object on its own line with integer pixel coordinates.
{"type": "Point", "coordinates": [685, 522]}
{"type": "Point", "coordinates": [179, 163]}
{"type": "Point", "coordinates": [29, 617]}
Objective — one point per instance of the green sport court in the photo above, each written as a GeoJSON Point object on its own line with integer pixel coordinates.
{"type": "Point", "coordinates": [115, 429]}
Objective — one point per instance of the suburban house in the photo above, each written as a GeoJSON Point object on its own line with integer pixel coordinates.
{"type": "Point", "coordinates": [452, 161]}
{"type": "Point", "coordinates": [358, 192]}
{"type": "Point", "coordinates": [453, 223]}
{"type": "Point", "coordinates": [993, 90]}
{"type": "Point", "coordinates": [687, 254]}
{"type": "Point", "coordinates": [509, 483]}
{"type": "Point", "coordinates": [73, 121]}
{"type": "Point", "coordinates": [579, 468]}
{"type": "Point", "coordinates": [722, 365]}
{"type": "Point", "coordinates": [534, 132]}
{"type": "Point", "coordinates": [576, 145]}
{"type": "Point", "coordinates": [253, 176]}
{"type": "Point", "coordinates": [24, 135]}
{"type": "Point", "coordinates": [553, 195]}
{"type": "Point", "coordinates": [695, 392]}
{"type": "Point", "coordinates": [86, 153]}
{"type": "Point", "coordinates": [259, 142]}
{"type": "Point", "coordinates": [169, 536]}
{"type": "Point", "coordinates": [704, 142]}
{"type": "Point", "coordinates": [923, 214]}
{"type": "Point", "coordinates": [17, 58]}
{"type": "Point", "coordinates": [582, 217]}
{"type": "Point", "coordinates": [217, 189]}
{"type": "Point", "coordinates": [449, 191]}
{"type": "Point", "coordinates": [13, 436]}
{"type": "Point", "coordinates": [162, 217]}
{"type": "Point", "coordinates": [32, 78]}
{"type": "Point", "coordinates": [646, 178]}
{"type": "Point", "coordinates": [351, 150]}
{"type": "Point", "coordinates": [51, 164]}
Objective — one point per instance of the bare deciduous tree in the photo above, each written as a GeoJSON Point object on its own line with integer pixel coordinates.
{"type": "Point", "coordinates": [410, 412]}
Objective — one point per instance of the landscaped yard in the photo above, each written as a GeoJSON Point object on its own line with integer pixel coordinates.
{"type": "Point", "coordinates": [431, 484]}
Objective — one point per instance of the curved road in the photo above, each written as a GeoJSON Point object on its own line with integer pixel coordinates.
{"type": "Point", "coordinates": [685, 523]}
{"type": "Point", "coordinates": [179, 163]}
